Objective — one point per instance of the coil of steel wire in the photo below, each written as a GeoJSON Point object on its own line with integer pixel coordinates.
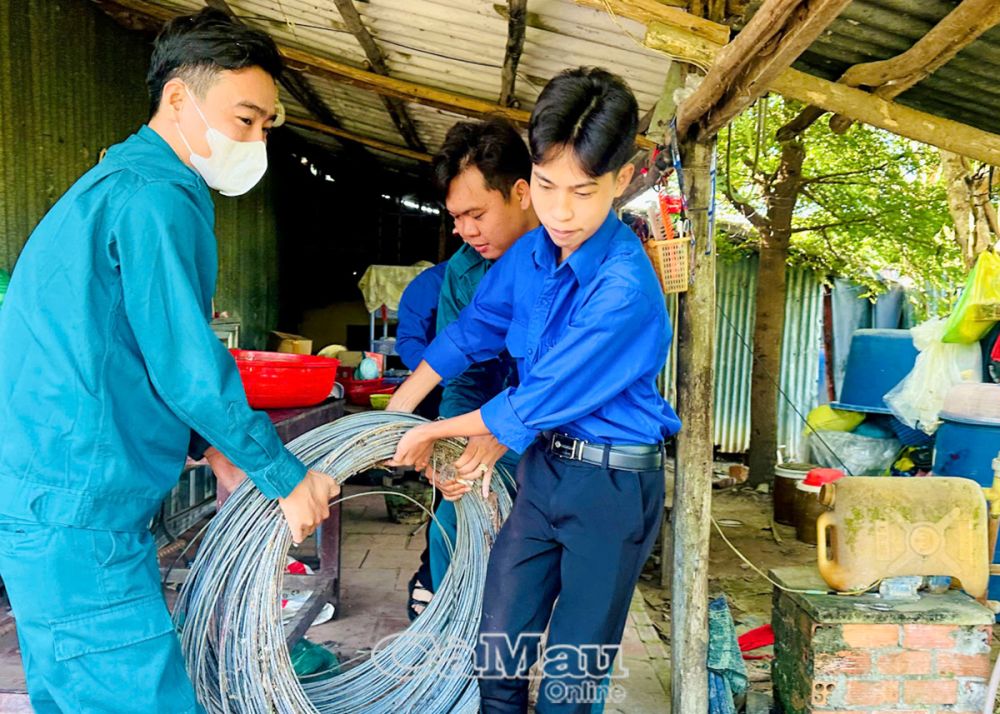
{"type": "Point", "coordinates": [228, 612]}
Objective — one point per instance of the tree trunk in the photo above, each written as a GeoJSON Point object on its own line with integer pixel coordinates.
{"type": "Point", "coordinates": [769, 327]}
{"type": "Point", "coordinates": [955, 174]}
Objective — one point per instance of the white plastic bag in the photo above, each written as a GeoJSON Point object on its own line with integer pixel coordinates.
{"type": "Point", "coordinates": [856, 455]}
{"type": "Point", "coordinates": [917, 400]}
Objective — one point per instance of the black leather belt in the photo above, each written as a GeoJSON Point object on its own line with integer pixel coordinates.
{"type": "Point", "coordinates": [639, 457]}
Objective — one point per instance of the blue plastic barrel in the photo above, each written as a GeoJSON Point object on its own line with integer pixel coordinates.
{"type": "Point", "coordinates": [877, 362]}
{"type": "Point", "coordinates": [966, 447]}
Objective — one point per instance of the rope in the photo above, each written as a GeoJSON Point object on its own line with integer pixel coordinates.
{"type": "Point", "coordinates": [776, 584]}
{"type": "Point", "coordinates": [228, 612]}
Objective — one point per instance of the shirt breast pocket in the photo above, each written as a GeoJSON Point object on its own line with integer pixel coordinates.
{"type": "Point", "coordinates": [517, 340]}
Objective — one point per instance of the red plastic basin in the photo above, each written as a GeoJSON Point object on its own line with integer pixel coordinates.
{"type": "Point", "coordinates": [359, 391]}
{"type": "Point", "coordinates": [276, 380]}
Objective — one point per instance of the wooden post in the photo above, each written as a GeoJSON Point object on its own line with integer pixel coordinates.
{"type": "Point", "coordinates": [693, 490]}
{"type": "Point", "coordinates": [517, 16]}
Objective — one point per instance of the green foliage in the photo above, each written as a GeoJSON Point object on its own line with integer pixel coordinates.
{"type": "Point", "coordinates": [871, 204]}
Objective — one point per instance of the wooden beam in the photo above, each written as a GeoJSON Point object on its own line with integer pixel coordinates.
{"type": "Point", "coordinates": [958, 29]}
{"type": "Point", "coordinates": [517, 13]}
{"type": "Point", "coordinates": [649, 11]}
{"type": "Point", "coordinates": [411, 91]}
{"type": "Point", "coordinates": [890, 78]}
{"type": "Point", "coordinates": [396, 109]}
{"type": "Point", "coordinates": [368, 141]}
{"type": "Point", "coordinates": [682, 45]}
{"type": "Point", "coordinates": [400, 89]}
{"type": "Point", "coordinates": [129, 18]}
{"type": "Point", "coordinates": [777, 34]}
{"type": "Point", "coordinates": [896, 118]}
{"type": "Point", "coordinates": [300, 60]}
{"type": "Point", "coordinates": [866, 108]}
{"type": "Point", "coordinates": [657, 120]}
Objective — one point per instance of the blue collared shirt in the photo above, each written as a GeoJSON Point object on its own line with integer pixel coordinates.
{"type": "Point", "coordinates": [108, 360]}
{"type": "Point", "coordinates": [418, 308]}
{"type": "Point", "coordinates": [589, 335]}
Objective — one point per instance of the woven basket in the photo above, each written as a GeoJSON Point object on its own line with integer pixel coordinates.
{"type": "Point", "coordinates": [671, 260]}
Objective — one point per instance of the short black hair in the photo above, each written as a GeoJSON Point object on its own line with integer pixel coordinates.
{"type": "Point", "coordinates": [493, 146]}
{"type": "Point", "coordinates": [590, 111]}
{"type": "Point", "coordinates": [197, 47]}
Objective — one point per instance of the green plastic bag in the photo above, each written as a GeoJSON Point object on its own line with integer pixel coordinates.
{"type": "Point", "coordinates": [979, 307]}
{"type": "Point", "coordinates": [4, 282]}
{"type": "Point", "coordinates": [313, 661]}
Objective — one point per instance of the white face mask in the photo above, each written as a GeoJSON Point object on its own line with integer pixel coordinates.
{"type": "Point", "coordinates": [233, 167]}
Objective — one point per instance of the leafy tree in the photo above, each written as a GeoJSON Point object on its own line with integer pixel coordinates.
{"type": "Point", "coordinates": [856, 205]}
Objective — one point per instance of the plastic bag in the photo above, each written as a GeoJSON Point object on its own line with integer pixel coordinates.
{"type": "Point", "coordinates": [855, 455]}
{"type": "Point", "coordinates": [918, 398]}
{"type": "Point", "coordinates": [4, 282]}
{"type": "Point", "coordinates": [979, 307]}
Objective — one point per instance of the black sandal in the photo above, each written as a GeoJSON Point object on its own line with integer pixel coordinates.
{"type": "Point", "coordinates": [420, 597]}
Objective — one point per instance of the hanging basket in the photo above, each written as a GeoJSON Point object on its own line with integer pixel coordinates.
{"type": "Point", "coordinates": [672, 262]}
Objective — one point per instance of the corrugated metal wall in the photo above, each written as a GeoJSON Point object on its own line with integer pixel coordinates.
{"type": "Point", "coordinates": [72, 82]}
{"type": "Point", "coordinates": [736, 304]}
{"type": "Point", "coordinates": [248, 261]}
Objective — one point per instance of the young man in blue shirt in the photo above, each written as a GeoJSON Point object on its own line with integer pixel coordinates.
{"type": "Point", "coordinates": [578, 306]}
{"type": "Point", "coordinates": [117, 372]}
{"type": "Point", "coordinates": [482, 171]}
{"type": "Point", "coordinates": [418, 307]}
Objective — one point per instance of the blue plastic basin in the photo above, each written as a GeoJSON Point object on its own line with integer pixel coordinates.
{"type": "Point", "coordinates": [877, 362]}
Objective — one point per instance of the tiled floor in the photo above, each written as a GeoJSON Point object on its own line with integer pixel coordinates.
{"type": "Point", "coordinates": [378, 559]}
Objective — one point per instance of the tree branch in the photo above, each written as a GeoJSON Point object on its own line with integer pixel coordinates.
{"type": "Point", "coordinates": [836, 224]}
{"type": "Point", "coordinates": [749, 212]}
{"type": "Point", "coordinates": [824, 178]}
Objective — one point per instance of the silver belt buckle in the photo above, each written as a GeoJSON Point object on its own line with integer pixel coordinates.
{"type": "Point", "coordinates": [559, 446]}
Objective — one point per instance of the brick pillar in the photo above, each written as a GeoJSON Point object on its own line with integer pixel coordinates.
{"type": "Point", "coordinates": [831, 656]}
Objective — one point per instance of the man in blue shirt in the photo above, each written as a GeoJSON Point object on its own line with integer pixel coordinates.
{"type": "Point", "coordinates": [116, 372]}
{"type": "Point", "coordinates": [482, 170]}
{"type": "Point", "coordinates": [418, 309]}
{"type": "Point", "coordinates": [578, 306]}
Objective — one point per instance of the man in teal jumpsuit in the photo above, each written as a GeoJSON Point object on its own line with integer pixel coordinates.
{"type": "Point", "coordinates": [110, 371]}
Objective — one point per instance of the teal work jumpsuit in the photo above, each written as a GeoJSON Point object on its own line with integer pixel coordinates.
{"type": "Point", "coordinates": [108, 371]}
{"type": "Point", "coordinates": [465, 393]}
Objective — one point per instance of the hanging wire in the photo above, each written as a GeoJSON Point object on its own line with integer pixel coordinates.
{"type": "Point", "coordinates": [777, 383]}
{"type": "Point", "coordinates": [228, 613]}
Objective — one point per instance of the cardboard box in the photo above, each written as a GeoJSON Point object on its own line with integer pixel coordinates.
{"type": "Point", "coordinates": [285, 342]}
{"type": "Point", "coordinates": [352, 358]}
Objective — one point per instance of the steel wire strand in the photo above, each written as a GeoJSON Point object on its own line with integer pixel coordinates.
{"type": "Point", "coordinates": [228, 612]}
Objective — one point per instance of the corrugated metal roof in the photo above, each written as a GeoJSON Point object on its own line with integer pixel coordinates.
{"type": "Point", "coordinates": [964, 89]}
{"type": "Point", "coordinates": [452, 45]}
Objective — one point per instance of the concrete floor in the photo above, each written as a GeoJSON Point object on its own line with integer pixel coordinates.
{"type": "Point", "coordinates": [378, 559]}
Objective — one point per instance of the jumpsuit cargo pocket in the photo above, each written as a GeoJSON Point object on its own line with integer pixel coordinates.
{"type": "Point", "coordinates": [122, 625]}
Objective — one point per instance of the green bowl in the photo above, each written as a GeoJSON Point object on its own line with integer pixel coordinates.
{"type": "Point", "coordinates": [380, 401]}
